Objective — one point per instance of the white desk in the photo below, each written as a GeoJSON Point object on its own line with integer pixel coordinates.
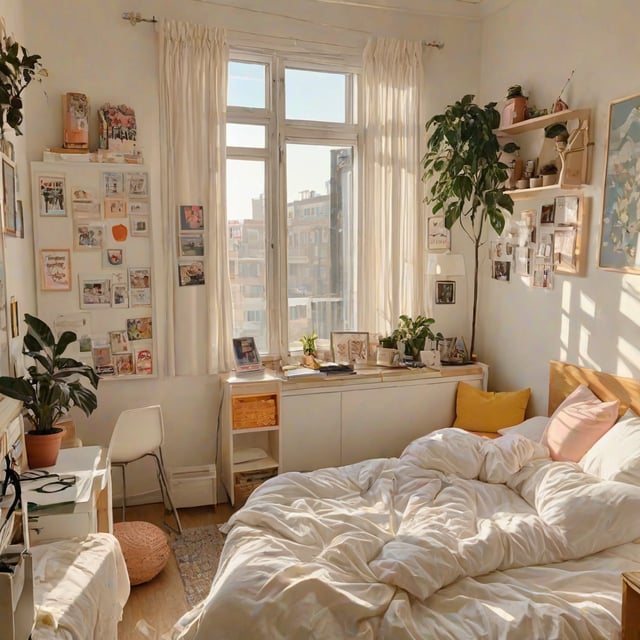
{"type": "Point", "coordinates": [90, 510]}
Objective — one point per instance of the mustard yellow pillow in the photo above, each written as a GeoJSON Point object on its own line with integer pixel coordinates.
{"type": "Point", "coordinates": [489, 410]}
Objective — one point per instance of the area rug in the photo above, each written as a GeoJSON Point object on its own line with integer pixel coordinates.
{"type": "Point", "coordinates": [197, 553]}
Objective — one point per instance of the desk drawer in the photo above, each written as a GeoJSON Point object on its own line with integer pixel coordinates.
{"type": "Point", "coordinates": [44, 528]}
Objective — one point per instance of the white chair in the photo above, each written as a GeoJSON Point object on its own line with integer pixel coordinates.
{"type": "Point", "coordinates": [139, 433]}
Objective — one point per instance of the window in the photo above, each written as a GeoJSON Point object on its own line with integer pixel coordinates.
{"type": "Point", "coordinates": [291, 204]}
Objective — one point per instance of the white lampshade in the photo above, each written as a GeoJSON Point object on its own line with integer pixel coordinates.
{"type": "Point", "coordinates": [445, 264]}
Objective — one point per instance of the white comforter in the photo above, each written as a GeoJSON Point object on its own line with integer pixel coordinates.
{"type": "Point", "coordinates": [367, 550]}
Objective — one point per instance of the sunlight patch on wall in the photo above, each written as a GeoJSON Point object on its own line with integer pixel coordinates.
{"type": "Point", "coordinates": [565, 324]}
{"type": "Point", "coordinates": [587, 305]}
{"type": "Point", "coordinates": [630, 300]}
{"type": "Point", "coordinates": [628, 353]}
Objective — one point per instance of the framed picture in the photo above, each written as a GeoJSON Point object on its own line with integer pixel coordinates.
{"type": "Point", "coordinates": [502, 270]}
{"type": "Point", "coordinates": [349, 346]}
{"type": "Point", "coordinates": [112, 183]}
{"type": "Point", "coordinates": [88, 236]}
{"type": "Point", "coordinates": [136, 184]}
{"type": "Point", "coordinates": [191, 217]}
{"type": "Point", "coordinates": [51, 191]}
{"type": "Point", "coordinates": [83, 194]}
{"type": "Point", "coordinates": [119, 342]}
{"type": "Point", "coordinates": [139, 225]}
{"type": "Point", "coordinates": [115, 207]}
{"type": "Point", "coordinates": [191, 244]}
{"type": "Point", "coordinates": [143, 357]}
{"type": "Point", "coordinates": [566, 210]}
{"type": "Point", "coordinates": [139, 328]}
{"type": "Point", "coordinates": [55, 269]}
{"type": "Point", "coordinates": [547, 214]}
{"type": "Point", "coordinates": [191, 273]}
{"type": "Point", "coordinates": [123, 364]}
{"type": "Point", "coordinates": [19, 220]}
{"type": "Point", "coordinates": [119, 296]}
{"type": "Point", "coordinates": [9, 195]}
{"type": "Point", "coordinates": [445, 292]}
{"type": "Point", "coordinates": [501, 250]}
{"type": "Point", "coordinates": [542, 276]}
{"type": "Point", "coordinates": [564, 249]}
{"type": "Point", "coordinates": [101, 354]}
{"type": "Point", "coordinates": [438, 236]}
{"type": "Point", "coordinates": [113, 258]}
{"type": "Point", "coordinates": [95, 291]}
{"type": "Point", "coordinates": [139, 207]}
{"type": "Point", "coordinates": [15, 323]}
{"type": "Point", "coordinates": [139, 286]}
{"type": "Point", "coordinates": [86, 210]}
{"type": "Point", "coordinates": [246, 354]}
{"type": "Point", "coordinates": [620, 226]}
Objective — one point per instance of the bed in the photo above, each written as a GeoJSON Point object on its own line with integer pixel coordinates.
{"type": "Point", "coordinates": [459, 537]}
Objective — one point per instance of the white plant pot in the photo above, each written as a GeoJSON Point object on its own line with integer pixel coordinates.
{"type": "Point", "coordinates": [431, 358]}
{"type": "Point", "coordinates": [387, 357]}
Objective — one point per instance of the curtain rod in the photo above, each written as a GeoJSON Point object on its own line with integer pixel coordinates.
{"type": "Point", "coordinates": [135, 18]}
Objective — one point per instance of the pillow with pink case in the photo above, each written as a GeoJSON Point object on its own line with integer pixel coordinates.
{"type": "Point", "coordinates": [578, 423]}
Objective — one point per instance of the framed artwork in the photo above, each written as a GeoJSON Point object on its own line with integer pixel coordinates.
{"type": "Point", "coordinates": [115, 207]}
{"type": "Point", "coordinates": [191, 217]}
{"type": "Point", "coordinates": [349, 346]}
{"type": "Point", "coordinates": [501, 270]}
{"type": "Point", "coordinates": [119, 342]}
{"type": "Point", "coordinates": [9, 195]}
{"type": "Point", "coordinates": [136, 184]}
{"type": "Point", "coordinates": [139, 328]}
{"type": "Point", "coordinates": [112, 183]}
{"type": "Point", "coordinates": [140, 207]}
{"type": "Point", "coordinates": [445, 292]}
{"type": "Point", "coordinates": [501, 250]}
{"type": "Point", "coordinates": [143, 361]}
{"type": "Point", "coordinates": [567, 210]}
{"type": "Point", "coordinates": [547, 214]}
{"type": "Point", "coordinates": [191, 273]}
{"type": "Point", "coordinates": [564, 249]}
{"type": "Point", "coordinates": [246, 354]}
{"type": "Point", "coordinates": [139, 225]}
{"type": "Point", "coordinates": [86, 210]}
{"type": "Point", "coordinates": [95, 291]}
{"type": "Point", "coordinates": [139, 286]}
{"type": "Point", "coordinates": [620, 226]}
{"type": "Point", "coordinates": [542, 276]}
{"type": "Point", "coordinates": [101, 355]}
{"type": "Point", "coordinates": [51, 191]}
{"type": "Point", "coordinates": [438, 236]}
{"type": "Point", "coordinates": [55, 269]}
{"type": "Point", "coordinates": [123, 363]}
{"type": "Point", "coordinates": [83, 194]}
{"type": "Point", "coordinates": [191, 244]}
{"type": "Point", "coordinates": [119, 296]}
{"type": "Point", "coordinates": [113, 258]}
{"type": "Point", "coordinates": [88, 236]}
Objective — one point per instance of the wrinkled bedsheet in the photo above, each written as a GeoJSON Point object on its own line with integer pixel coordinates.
{"type": "Point", "coordinates": [430, 544]}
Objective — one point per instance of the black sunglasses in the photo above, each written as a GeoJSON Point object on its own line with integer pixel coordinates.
{"type": "Point", "coordinates": [59, 484]}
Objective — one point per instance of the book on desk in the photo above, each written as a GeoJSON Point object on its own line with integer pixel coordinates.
{"type": "Point", "coordinates": [325, 369]}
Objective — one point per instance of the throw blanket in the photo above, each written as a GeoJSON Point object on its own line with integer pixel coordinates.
{"type": "Point", "coordinates": [354, 551]}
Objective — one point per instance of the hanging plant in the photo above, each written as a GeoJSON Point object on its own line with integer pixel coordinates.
{"type": "Point", "coordinates": [17, 70]}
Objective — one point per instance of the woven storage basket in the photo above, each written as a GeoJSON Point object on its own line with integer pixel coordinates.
{"type": "Point", "coordinates": [144, 547]}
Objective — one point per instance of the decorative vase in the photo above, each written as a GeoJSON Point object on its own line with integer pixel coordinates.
{"type": "Point", "coordinates": [43, 448]}
{"type": "Point", "coordinates": [535, 182]}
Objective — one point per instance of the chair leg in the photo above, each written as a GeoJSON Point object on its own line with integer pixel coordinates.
{"type": "Point", "coordinates": [124, 492]}
{"type": "Point", "coordinates": [164, 488]}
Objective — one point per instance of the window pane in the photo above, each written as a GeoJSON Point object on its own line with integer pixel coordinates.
{"type": "Point", "coordinates": [246, 247]}
{"type": "Point", "coordinates": [246, 85]}
{"type": "Point", "coordinates": [320, 241]}
{"type": "Point", "coordinates": [314, 95]}
{"type": "Point", "coordinates": [245, 135]}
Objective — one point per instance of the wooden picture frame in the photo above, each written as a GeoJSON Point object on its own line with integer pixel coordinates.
{"type": "Point", "coordinates": [55, 269]}
{"type": "Point", "coordinates": [350, 346]}
{"type": "Point", "coordinates": [9, 195]}
{"type": "Point", "coordinates": [52, 196]}
{"type": "Point", "coordinates": [620, 223]}
{"type": "Point", "coordinates": [445, 292]}
{"type": "Point", "coordinates": [246, 355]}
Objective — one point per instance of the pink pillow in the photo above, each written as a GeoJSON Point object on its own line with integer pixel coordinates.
{"type": "Point", "coordinates": [578, 423]}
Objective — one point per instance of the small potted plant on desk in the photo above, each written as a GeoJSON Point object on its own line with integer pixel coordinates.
{"type": "Point", "coordinates": [309, 349]}
{"type": "Point", "coordinates": [49, 389]}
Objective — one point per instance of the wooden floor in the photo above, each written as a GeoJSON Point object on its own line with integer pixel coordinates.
{"type": "Point", "coordinates": [161, 601]}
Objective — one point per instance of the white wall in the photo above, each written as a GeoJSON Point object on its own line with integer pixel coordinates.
{"type": "Point", "coordinates": [87, 47]}
{"type": "Point", "coordinates": [591, 320]}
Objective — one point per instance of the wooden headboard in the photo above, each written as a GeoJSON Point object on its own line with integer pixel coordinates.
{"type": "Point", "coordinates": [564, 378]}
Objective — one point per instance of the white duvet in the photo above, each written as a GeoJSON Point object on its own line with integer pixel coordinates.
{"type": "Point", "coordinates": [399, 548]}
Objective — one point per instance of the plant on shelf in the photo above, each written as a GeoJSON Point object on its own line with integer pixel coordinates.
{"type": "Point", "coordinates": [17, 70]}
{"type": "Point", "coordinates": [467, 175]}
{"type": "Point", "coordinates": [414, 333]}
{"type": "Point", "coordinates": [549, 169]}
{"type": "Point", "coordinates": [559, 132]}
{"type": "Point", "coordinates": [52, 385]}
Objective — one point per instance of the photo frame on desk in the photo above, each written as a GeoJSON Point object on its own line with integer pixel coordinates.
{"type": "Point", "coordinates": [350, 346]}
{"type": "Point", "coordinates": [246, 354]}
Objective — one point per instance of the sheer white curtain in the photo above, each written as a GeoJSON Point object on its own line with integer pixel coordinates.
{"type": "Point", "coordinates": [193, 90]}
{"type": "Point", "coordinates": [391, 251]}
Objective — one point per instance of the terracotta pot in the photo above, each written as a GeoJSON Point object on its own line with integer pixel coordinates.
{"type": "Point", "coordinates": [43, 448]}
{"type": "Point", "coordinates": [308, 360]}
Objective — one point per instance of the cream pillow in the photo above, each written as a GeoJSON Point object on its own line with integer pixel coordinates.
{"type": "Point", "coordinates": [532, 428]}
{"type": "Point", "coordinates": [578, 423]}
{"type": "Point", "coordinates": [616, 456]}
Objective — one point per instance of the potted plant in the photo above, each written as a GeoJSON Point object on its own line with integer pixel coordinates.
{"type": "Point", "coordinates": [309, 349]}
{"type": "Point", "coordinates": [463, 159]}
{"type": "Point", "coordinates": [387, 354]}
{"type": "Point", "coordinates": [17, 70]}
{"type": "Point", "coordinates": [51, 386]}
{"type": "Point", "coordinates": [549, 173]}
{"type": "Point", "coordinates": [560, 133]}
{"type": "Point", "coordinates": [414, 333]}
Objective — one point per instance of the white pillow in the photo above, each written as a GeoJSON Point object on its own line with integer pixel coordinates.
{"type": "Point", "coordinates": [616, 455]}
{"type": "Point", "coordinates": [532, 428]}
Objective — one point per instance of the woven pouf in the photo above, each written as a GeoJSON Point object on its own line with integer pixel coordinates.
{"type": "Point", "coordinates": [144, 547]}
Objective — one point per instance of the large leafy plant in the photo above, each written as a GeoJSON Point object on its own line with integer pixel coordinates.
{"type": "Point", "coordinates": [463, 166]}
{"type": "Point", "coordinates": [54, 383]}
{"type": "Point", "coordinates": [415, 333]}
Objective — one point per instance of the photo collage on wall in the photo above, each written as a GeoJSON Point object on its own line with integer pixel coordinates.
{"type": "Point", "coordinates": [191, 245]}
{"type": "Point", "coordinates": [106, 219]}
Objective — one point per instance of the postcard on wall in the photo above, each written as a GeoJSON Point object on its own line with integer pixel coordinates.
{"type": "Point", "coordinates": [191, 273]}
{"type": "Point", "coordinates": [501, 270]}
{"type": "Point", "coordinates": [139, 225]}
{"type": "Point", "coordinates": [79, 322]}
{"type": "Point", "coordinates": [124, 364]}
{"type": "Point", "coordinates": [119, 342]}
{"type": "Point", "coordinates": [136, 184]}
{"type": "Point", "coordinates": [438, 236]}
{"type": "Point", "coordinates": [191, 244]}
{"type": "Point", "coordinates": [191, 217]}
{"type": "Point", "coordinates": [115, 207]}
{"type": "Point", "coordinates": [119, 296]}
{"type": "Point", "coordinates": [547, 214]}
{"type": "Point", "coordinates": [566, 210]}
{"type": "Point", "coordinates": [86, 210]}
{"type": "Point", "coordinates": [95, 291]}
{"type": "Point", "coordinates": [88, 236]}
{"type": "Point", "coordinates": [55, 269]}
{"type": "Point", "coordinates": [52, 196]}
{"type": "Point", "coordinates": [139, 277]}
{"type": "Point", "coordinates": [112, 183]}
{"type": "Point", "coordinates": [83, 194]}
{"type": "Point", "coordinates": [119, 277]}
{"type": "Point", "coordinates": [138, 207]}
{"type": "Point", "coordinates": [143, 361]}
{"type": "Point", "coordinates": [113, 258]}
{"type": "Point", "coordinates": [101, 355]}
{"type": "Point", "coordinates": [139, 328]}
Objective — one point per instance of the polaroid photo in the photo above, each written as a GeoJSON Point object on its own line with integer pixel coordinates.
{"type": "Point", "coordinates": [95, 291]}
{"type": "Point", "coordinates": [88, 236]}
{"type": "Point", "coordinates": [191, 245]}
{"type": "Point", "coordinates": [119, 296]}
{"type": "Point", "coordinates": [139, 225]}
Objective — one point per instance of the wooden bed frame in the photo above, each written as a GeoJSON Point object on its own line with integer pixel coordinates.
{"type": "Point", "coordinates": [565, 377]}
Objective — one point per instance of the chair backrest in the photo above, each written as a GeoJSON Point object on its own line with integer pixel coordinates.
{"type": "Point", "coordinates": [137, 431]}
